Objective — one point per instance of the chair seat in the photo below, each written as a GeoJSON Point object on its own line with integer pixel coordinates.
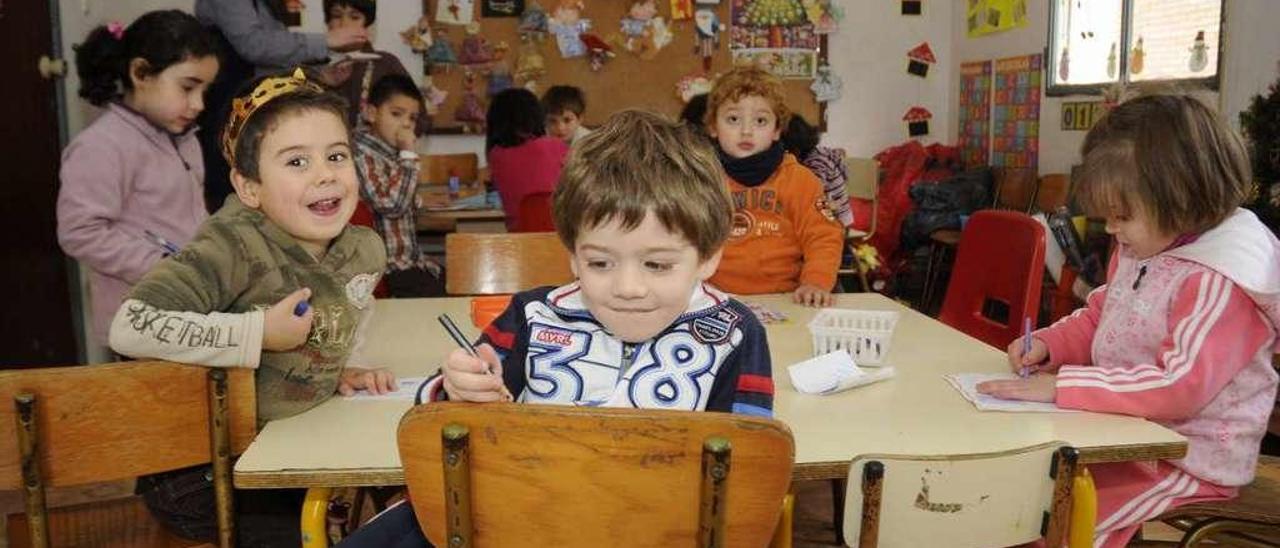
{"type": "Point", "coordinates": [855, 234]}
{"type": "Point", "coordinates": [945, 236]}
{"type": "Point", "coordinates": [1258, 502]}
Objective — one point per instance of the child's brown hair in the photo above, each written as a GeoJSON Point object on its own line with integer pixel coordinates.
{"type": "Point", "coordinates": [745, 81]}
{"type": "Point", "coordinates": [640, 162]}
{"type": "Point", "coordinates": [1170, 156]}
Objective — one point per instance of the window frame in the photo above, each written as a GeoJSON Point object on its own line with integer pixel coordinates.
{"type": "Point", "coordinates": [1054, 89]}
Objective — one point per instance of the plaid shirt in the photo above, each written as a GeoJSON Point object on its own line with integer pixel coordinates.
{"type": "Point", "coordinates": [387, 184]}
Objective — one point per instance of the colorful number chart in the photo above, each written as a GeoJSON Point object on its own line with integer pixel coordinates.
{"type": "Point", "coordinates": [1015, 118]}
{"type": "Point", "coordinates": [975, 112]}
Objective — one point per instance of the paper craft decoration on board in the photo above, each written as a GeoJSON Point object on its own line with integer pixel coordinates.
{"type": "Point", "coordinates": [777, 24]}
{"type": "Point", "coordinates": [708, 27]}
{"type": "Point", "coordinates": [984, 17]}
{"type": "Point", "coordinates": [826, 85]}
{"type": "Point", "coordinates": [1015, 118]}
{"type": "Point", "coordinates": [455, 12]}
{"type": "Point", "coordinates": [783, 63]}
{"type": "Point", "coordinates": [568, 25]}
{"type": "Point", "coordinates": [681, 10]}
{"type": "Point", "coordinates": [919, 59]}
{"type": "Point", "coordinates": [502, 8]}
{"type": "Point", "coordinates": [917, 119]}
{"type": "Point", "coordinates": [975, 112]}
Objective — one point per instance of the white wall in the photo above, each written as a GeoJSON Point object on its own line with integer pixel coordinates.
{"type": "Point", "coordinates": [1250, 53]}
{"type": "Point", "coordinates": [869, 53]}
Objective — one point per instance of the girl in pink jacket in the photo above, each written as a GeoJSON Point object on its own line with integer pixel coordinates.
{"type": "Point", "coordinates": [133, 181]}
{"type": "Point", "coordinates": [1184, 330]}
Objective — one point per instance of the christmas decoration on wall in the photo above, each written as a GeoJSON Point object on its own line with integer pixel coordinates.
{"type": "Point", "coordinates": [568, 25]}
{"type": "Point", "coordinates": [919, 59]}
{"type": "Point", "coordinates": [432, 96]}
{"type": "Point", "coordinates": [1199, 54]}
{"type": "Point", "coordinates": [824, 15]}
{"type": "Point", "coordinates": [826, 85]}
{"type": "Point", "coordinates": [500, 78]}
{"type": "Point", "coordinates": [1261, 125]}
{"type": "Point", "coordinates": [1064, 65]}
{"type": "Point", "coordinates": [418, 36]}
{"type": "Point", "coordinates": [531, 66]}
{"type": "Point", "coordinates": [502, 8]}
{"type": "Point", "coordinates": [470, 113]}
{"type": "Point", "coordinates": [783, 63]}
{"type": "Point", "coordinates": [917, 119]}
{"type": "Point", "coordinates": [455, 12]}
{"type": "Point", "coordinates": [598, 51]}
{"type": "Point", "coordinates": [912, 7]}
{"type": "Point", "coordinates": [708, 27]}
{"type": "Point", "coordinates": [533, 22]}
{"type": "Point", "coordinates": [475, 48]}
{"type": "Point", "coordinates": [1137, 58]}
{"type": "Point", "coordinates": [692, 85]}
{"type": "Point", "coordinates": [985, 17]}
{"type": "Point", "coordinates": [681, 10]}
{"type": "Point", "coordinates": [636, 22]}
{"type": "Point", "coordinates": [440, 54]}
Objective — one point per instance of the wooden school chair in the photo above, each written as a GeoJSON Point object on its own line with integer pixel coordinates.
{"type": "Point", "coordinates": [549, 475]}
{"type": "Point", "coordinates": [1005, 498]}
{"type": "Point", "coordinates": [999, 270]}
{"type": "Point", "coordinates": [1251, 519]}
{"type": "Point", "coordinates": [73, 426]}
{"type": "Point", "coordinates": [863, 183]}
{"type": "Point", "coordinates": [487, 264]}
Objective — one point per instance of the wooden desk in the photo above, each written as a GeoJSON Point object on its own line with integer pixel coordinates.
{"type": "Point", "coordinates": [353, 443]}
{"type": "Point", "coordinates": [462, 220]}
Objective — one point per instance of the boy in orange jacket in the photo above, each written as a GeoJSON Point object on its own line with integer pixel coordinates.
{"type": "Point", "coordinates": [784, 236]}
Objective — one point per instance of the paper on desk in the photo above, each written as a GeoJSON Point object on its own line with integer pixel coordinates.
{"type": "Point", "coordinates": [407, 389]}
{"type": "Point", "coordinates": [833, 372]}
{"type": "Point", "coordinates": [336, 58]}
{"type": "Point", "coordinates": [967, 385]}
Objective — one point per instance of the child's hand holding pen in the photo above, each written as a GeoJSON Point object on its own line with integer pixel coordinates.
{"type": "Point", "coordinates": [1028, 358]}
{"type": "Point", "coordinates": [472, 374]}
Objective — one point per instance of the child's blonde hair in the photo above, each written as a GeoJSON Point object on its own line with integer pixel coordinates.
{"type": "Point", "coordinates": [745, 81]}
{"type": "Point", "coordinates": [1169, 155]}
{"type": "Point", "coordinates": [640, 162]}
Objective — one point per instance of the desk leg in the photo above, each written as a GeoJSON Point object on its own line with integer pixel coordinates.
{"type": "Point", "coordinates": [1084, 509]}
{"type": "Point", "coordinates": [782, 535]}
{"type": "Point", "coordinates": [315, 510]}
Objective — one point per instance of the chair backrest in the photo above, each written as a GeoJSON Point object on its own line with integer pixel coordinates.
{"type": "Point", "coordinates": [864, 178]}
{"type": "Point", "coordinates": [435, 168]}
{"type": "Point", "coordinates": [546, 475]}
{"type": "Point", "coordinates": [487, 264]}
{"type": "Point", "coordinates": [95, 423]}
{"type": "Point", "coordinates": [1015, 189]}
{"type": "Point", "coordinates": [999, 264]}
{"type": "Point", "coordinates": [1052, 192]}
{"type": "Point", "coordinates": [1005, 498]}
{"type": "Point", "coordinates": [535, 213]}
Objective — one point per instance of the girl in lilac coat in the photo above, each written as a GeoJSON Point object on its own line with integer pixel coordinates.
{"type": "Point", "coordinates": [133, 181]}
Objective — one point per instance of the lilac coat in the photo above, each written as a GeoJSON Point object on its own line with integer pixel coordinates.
{"type": "Point", "coordinates": [121, 177]}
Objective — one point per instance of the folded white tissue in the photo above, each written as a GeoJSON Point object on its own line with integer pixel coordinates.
{"type": "Point", "coordinates": [833, 372]}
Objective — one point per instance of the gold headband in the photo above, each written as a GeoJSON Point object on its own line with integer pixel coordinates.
{"type": "Point", "coordinates": [244, 107]}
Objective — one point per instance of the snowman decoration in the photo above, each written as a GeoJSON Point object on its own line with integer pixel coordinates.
{"type": "Point", "coordinates": [1199, 54]}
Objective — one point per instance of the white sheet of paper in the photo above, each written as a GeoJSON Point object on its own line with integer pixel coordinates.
{"type": "Point", "coordinates": [407, 388]}
{"type": "Point", "coordinates": [833, 372]}
{"type": "Point", "coordinates": [966, 384]}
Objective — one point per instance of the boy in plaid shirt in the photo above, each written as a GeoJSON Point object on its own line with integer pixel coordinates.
{"type": "Point", "coordinates": [387, 167]}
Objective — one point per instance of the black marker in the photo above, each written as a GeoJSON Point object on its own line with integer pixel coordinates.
{"type": "Point", "coordinates": [457, 336]}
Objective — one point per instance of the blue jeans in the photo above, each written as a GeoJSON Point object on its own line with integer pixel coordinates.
{"type": "Point", "coordinates": [397, 527]}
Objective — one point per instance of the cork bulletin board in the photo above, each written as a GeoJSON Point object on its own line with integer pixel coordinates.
{"type": "Point", "coordinates": [625, 80]}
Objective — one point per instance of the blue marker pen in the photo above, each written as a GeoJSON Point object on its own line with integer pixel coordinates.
{"type": "Point", "coordinates": [301, 308]}
{"type": "Point", "coordinates": [1026, 347]}
{"type": "Point", "coordinates": [169, 248]}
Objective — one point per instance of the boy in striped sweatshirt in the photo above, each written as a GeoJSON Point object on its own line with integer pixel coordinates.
{"type": "Point", "coordinates": [1184, 331]}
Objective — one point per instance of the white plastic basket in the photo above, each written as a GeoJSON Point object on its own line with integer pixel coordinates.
{"type": "Point", "coordinates": [865, 334]}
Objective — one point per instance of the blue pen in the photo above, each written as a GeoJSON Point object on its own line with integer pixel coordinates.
{"type": "Point", "coordinates": [168, 247]}
{"type": "Point", "coordinates": [300, 308]}
{"type": "Point", "coordinates": [1026, 345]}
